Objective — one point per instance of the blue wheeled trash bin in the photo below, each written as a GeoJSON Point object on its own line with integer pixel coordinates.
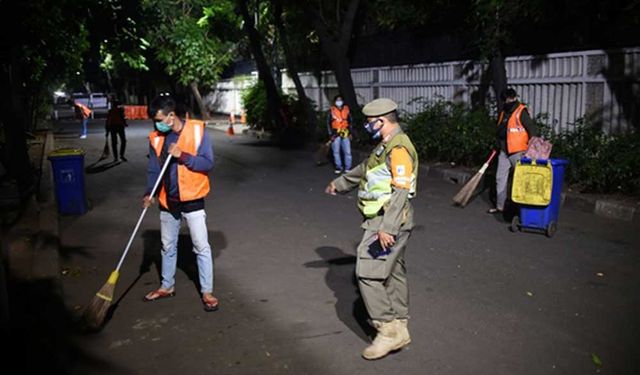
{"type": "Point", "coordinates": [68, 177]}
{"type": "Point", "coordinates": [537, 188]}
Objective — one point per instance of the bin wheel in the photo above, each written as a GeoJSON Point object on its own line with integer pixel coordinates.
{"type": "Point", "coordinates": [551, 229]}
{"type": "Point", "coordinates": [515, 224]}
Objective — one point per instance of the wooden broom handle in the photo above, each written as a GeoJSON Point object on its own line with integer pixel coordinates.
{"type": "Point", "coordinates": [493, 154]}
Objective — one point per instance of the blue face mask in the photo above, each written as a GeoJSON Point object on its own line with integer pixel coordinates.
{"type": "Point", "coordinates": [163, 127]}
{"type": "Point", "coordinates": [370, 127]}
{"type": "Point", "coordinates": [339, 103]}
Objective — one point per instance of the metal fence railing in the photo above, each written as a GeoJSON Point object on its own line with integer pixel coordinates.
{"type": "Point", "coordinates": [603, 86]}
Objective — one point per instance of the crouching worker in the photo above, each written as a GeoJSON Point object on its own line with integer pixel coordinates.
{"type": "Point", "coordinates": [181, 195]}
{"type": "Point", "coordinates": [386, 182]}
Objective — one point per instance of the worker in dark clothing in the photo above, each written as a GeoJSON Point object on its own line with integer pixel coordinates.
{"type": "Point", "coordinates": [115, 125]}
{"type": "Point", "coordinates": [515, 128]}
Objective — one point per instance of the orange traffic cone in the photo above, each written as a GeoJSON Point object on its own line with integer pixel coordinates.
{"type": "Point", "coordinates": [230, 131]}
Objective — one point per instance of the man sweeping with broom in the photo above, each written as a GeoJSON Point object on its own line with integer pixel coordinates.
{"type": "Point", "coordinates": [182, 192]}
{"type": "Point", "coordinates": [180, 159]}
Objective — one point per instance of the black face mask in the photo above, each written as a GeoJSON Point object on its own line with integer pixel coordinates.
{"type": "Point", "coordinates": [508, 106]}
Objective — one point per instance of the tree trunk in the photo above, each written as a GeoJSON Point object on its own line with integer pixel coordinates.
{"type": "Point", "coordinates": [109, 81]}
{"type": "Point", "coordinates": [19, 165]}
{"type": "Point", "coordinates": [337, 49]}
{"type": "Point", "coordinates": [498, 76]}
{"type": "Point", "coordinates": [291, 66]}
{"type": "Point", "coordinates": [342, 70]}
{"type": "Point", "coordinates": [264, 73]}
{"type": "Point", "coordinates": [196, 94]}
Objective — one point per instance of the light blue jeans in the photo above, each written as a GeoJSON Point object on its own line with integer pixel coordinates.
{"type": "Point", "coordinates": [169, 232]}
{"type": "Point", "coordinates": [85, 122]}
{"type": "Point", "coordinates": [345, 145]}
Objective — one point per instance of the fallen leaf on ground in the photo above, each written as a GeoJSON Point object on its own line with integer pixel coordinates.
{"type": "Point", "coordinates": [596, 360]}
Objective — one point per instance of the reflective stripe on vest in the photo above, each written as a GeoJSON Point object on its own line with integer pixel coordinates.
{"type": "Point", "coordinates": [375, 188]}
{"type": "Point", "coordinates": [517, 136]}
{"type": "Point", "coordinates": [339, 117]}
{"type": "Point", "coordinates": [191, 185]}
{"type": "Point", "coordinates": [376, 191]}
{"type": "Point", "coordinates": [86, 112]}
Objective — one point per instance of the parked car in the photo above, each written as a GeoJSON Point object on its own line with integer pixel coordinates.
{"type": "Point", "coordinates": [96, 100]}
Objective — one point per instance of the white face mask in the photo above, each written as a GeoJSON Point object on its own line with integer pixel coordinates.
{"type": "Point", "coordinates": [339, 103]}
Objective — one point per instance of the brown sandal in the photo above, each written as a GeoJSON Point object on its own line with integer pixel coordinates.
{"type": "Point", "coordinates": [210, 303]}
{"type": "Point", "coordinates": [158, 294]}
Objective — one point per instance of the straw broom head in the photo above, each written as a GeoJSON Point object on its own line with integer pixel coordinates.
{"type": "Point", "coordinates": [464, 195]}
{"type": "Point", "coordinates": [96, 312]}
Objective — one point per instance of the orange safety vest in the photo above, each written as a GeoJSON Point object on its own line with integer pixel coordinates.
{"type": "Point", "coordinates": [339, 117]}
{"type": "Point", "coordinates": [517, 136]}
{"type": "Point", "coordinates": [191, 185]}
{"type": "Point", "coordinates": [84, 110]}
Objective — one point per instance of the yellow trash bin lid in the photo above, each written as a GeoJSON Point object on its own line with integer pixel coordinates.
{"type": "Point", "coordinates": [532, 183]}
{"type": "Point", "coordinates": [64, 152]}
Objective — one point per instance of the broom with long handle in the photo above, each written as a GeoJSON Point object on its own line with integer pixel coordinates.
{"type": "Point", "coordinates": [97, 310]}
{"type": "Point", "coordinates": [105, 150]}
{"type": "Point", "coordinates": [464, 195]}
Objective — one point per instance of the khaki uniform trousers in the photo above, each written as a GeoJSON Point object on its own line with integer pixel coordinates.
{"type": "Point", "coordinates": [383, 281]}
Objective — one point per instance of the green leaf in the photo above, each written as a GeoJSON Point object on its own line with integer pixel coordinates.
{"type": "Point", "coordinates": [596, 360]}
{"type": "Point", "coordinates": [203, 21]}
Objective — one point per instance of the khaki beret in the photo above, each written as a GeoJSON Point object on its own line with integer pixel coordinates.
{"type": "Point", "coordinates": [379, 107]}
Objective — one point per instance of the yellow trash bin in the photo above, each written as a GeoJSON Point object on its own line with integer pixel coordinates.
{"type": "Point", "coordinates": [532, 183]}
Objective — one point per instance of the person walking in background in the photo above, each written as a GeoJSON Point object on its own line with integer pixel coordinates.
{"type": "Point", "coordinates": [181, 195]}
{"type": "Point", "coordinates": [83, 113]}
{"type": "Point", "coordinates": [386, 183]}
{"type": "Point", "coordinates": [339, 128]}
{"type": "Point", "coordinates": [115, 124]}
{"type": "Point", "coordinates": [515, 128]}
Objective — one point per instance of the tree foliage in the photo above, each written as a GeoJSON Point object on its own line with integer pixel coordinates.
{"type": "Point", "coordinates": [41, 48]}
{"type": "Point", "coordinates": [183, 41]}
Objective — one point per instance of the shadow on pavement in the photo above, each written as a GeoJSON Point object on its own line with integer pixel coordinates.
{"type": "Point", "coordinates": [97, 168]}
{"type": "Point", "coordinates": [340, 277]}
{"type": "Point", "coordinates": [43, 334]}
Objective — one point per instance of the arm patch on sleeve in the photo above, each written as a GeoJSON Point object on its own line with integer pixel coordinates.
{"type": "Point", "coordinates": [401, 167]}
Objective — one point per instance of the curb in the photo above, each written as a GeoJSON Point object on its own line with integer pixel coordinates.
{"type": "Point", "coordinates": [33, 243]}
{"type": "Point", "coordinates": [608, 208]}
{"type": "Point", "coordinates": [48, 260]}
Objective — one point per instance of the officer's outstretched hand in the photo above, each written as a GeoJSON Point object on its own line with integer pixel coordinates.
{"type": "Point", "coordinates": [330, 189]}
{"type": "Point", "coordinates": [147, 201]}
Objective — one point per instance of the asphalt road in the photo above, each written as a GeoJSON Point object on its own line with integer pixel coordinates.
{"type": "Point", "coordinates": [483, 300]}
